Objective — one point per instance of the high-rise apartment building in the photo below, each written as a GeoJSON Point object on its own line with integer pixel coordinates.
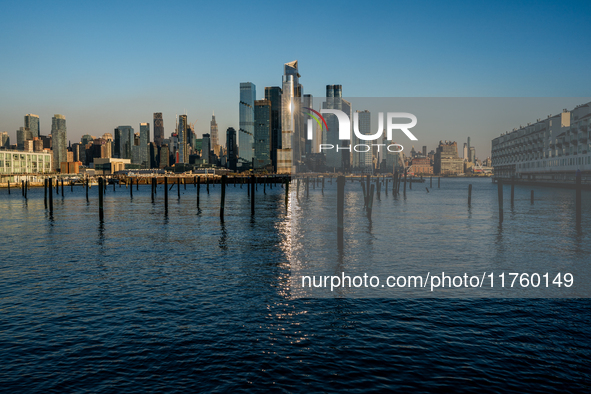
{"type": "Point", "coordinates": [158, 129]}
{"type": "Point", "coordinates": [273, 94]}
{"type": "Point", "coordinates": [334, 96]}
{"type": "Point", "coordinates": [4, 139]}
{"type": "Point", "coordinates": [32, 123]}
{"type": "Point", "coordinates": [362, 120]}
{"type": "Point", "coordinates": [246, 131]}
{"type": "Point", "coordinates": [58, 140]}
{"type": "Point", "coordinates": [22, 134]}
{"type": "Point", "coordinates": [262, 133]}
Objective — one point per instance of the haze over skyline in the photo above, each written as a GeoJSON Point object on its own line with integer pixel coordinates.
{"type": "Point", "coordinates": [110, 64]}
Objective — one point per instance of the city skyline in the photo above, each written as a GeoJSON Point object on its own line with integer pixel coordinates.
{"type": "Point", "coordinates": [394, 58]}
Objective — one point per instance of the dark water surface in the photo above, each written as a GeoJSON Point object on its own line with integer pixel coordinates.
{"type": "Point", "coordinates": [148, 302]}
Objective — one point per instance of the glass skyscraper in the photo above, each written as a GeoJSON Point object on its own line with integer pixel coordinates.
{"type": "Point", "coordinates": [124, 140]}
{"type": "Point", "coordinates": [144, 148]}
{"type": "Point", "coordinates": [246, 131]}
{"type": "Point", "coordinates": [58, 140]}
{"type": "Point", "coordinates": [32, 123]}
{"type": "Point", "coordinates": [262, 133]}
{"type": "Point", "coordinates": [273, 94]}
{"type": "Point", "coordinates": [334, 96]}
{"type": "Point", "coordinates": [231, 148]}
{"type": "Point", "coordinates": [290, 155]}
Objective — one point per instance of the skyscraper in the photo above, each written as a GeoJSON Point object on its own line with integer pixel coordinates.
{"type": "Point", "coordinates": [273, 94]}
{"type": "Point", "coordinates": [465, 151]}
{"type": "Point", "coordinates": [262, 133]}
{"type": "Point", "coordinates": [124, 140]}
{"type": "Point", "coordinates": [231, 148]}
{"type": "Point", "coordinates": [182, 132]}
{"type": "Point", "coordinates": [4, 139]}
{"type": "Point", "coordinates": [206, 149]}
{"type": "Point", "coordinates": [213, 131]}
{"type": "Point", "coordinates": [144, 148]}
{"type": "Point", "coordinates": [158, 129]}
{"type": "Point", "coordinates": [289, 155]}
{"type": "Point", "coordinates": [469, 149]}
{"type": "Point", "coordinates": [58, 140]}
{"type": "Point", "coordinates": [246, 131]}
{"type": "Point", "coordinates": [22, 134]}
{"type": "Point", "coordinates": [32, 123]}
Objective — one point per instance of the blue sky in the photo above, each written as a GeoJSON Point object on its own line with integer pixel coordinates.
{"type": "Point", "coordinates": [105, 64]}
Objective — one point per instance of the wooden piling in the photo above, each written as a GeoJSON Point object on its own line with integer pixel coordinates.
{"type": "Point", "coordinates": [45, 192]}
{"type": "Point", "coordinates": [130, 183]}
{"type": "Point", "coordinates": [71, 187]}
{"type": "Point", "coordinates": [370, 202]}
{"type": "Point", "coordinates": [152, 189]}
{"type": "Point", "coordinates": [410, 183]}
{"type": "Point", "coordinates": [512, 191]}
{"type": "Point", "coordinates": [50, 191]}
{"type": "Point", "coordinates": [198, 189]}
{"type": "Point", "coordinates": [62, 188]}
{"type": "Point", "coordinates": [252, 193]}
{"type": "Point", "coordinates": [500, 198]}
{"type": "Point", "coordinates": [469, 194]}
{"type": "Point", "coordinates": [101, 193]}
{"type": "Point", "coordinates": [223, 201]}
{"type": "Point", "coordinates": [286, 192]}
{"type": "Point", "coordinates": [87, 181]}
{"type": "Point", "coordinates": [165, 194]}
{"type": "Point", "coordinates": [178, 187]}
{"type": "Point", "coordinates": [405, 181]}
{"type": "Point", "coordinates": [364, 194]}
{"type": "Point", "coordinates": [8, 187]}
{"type": "Point", "coordinates": [137, 184]}
{"type": "Point", "coordinates": [307, 187]}
{"type": "Point", "coordinates": [431, 182]}
{"type": "Point", "coordinates": [207, 183]}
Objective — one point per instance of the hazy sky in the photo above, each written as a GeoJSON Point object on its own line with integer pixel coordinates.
{"type": "Point", "coordinates": [105, 64]}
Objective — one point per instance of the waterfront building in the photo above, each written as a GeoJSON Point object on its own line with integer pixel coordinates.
{"type": "Point", "coordinates": [447, 161]}
{"type": "Point", "coordinates": [20, 162]}
{"type": "Point", "coordinates": [422, 166]}
{"type": "Point", "coordinates": [58, 140]}
{"type": "Point", "coordinates": [158, 129]}
{"type": "Point", "coordinates": [110, 165]}
{"type": "Point", "coordinates": [231, 149]}
{"type": "Point", "coordinates": [32, 123]}
{"type": "Point", "coordinates": [246, 130]}
{"type": "Point", "coordinates": [273, 94]}
{"type": "Point", "coordinates": [262, 134]}
{"type": "Point", "coordinates": [550, 149]}
{"type": "Point", "coordinates": [472, 154]}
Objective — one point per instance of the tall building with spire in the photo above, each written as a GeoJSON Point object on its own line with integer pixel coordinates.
{"type": "Point", "coordinates": [289, 155]}
{"type": "Point", "coordinates": [58, 140]}
{"type": "Point", "coordinates": [213, 132]}
{"type": "Point", "coordinates": [246, 131]}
